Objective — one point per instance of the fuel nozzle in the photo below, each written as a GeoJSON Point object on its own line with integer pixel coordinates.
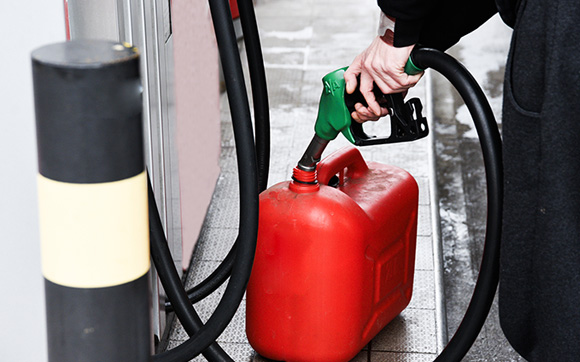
{"type": "Point", "coordinates": [334, 117]}
{"type": "Point", "coordinates": [312, 154]}
{"type": "Point", "coordinates": [336, 105]}
{"type": "Point", "coordinates": [304, 174]}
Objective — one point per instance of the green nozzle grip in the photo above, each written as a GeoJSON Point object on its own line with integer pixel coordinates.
{"type": "Point", "coordinates": [411, 68]}
{"type": "Point", "coordinates": [333, 114]}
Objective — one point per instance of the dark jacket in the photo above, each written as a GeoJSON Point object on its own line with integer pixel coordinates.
{"type": "Point", "coordinates": [441, 23]}
{"type": "Point", "coordinates": [539, 289]}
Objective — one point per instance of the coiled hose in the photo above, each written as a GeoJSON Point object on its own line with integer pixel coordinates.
{"type": "Point", "coordinates": [204, 336]}
{"type": "Point", "coordinates": [262, 134]}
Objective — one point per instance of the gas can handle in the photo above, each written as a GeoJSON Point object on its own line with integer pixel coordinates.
{"type": "Point", "coordinates": [347, 157]}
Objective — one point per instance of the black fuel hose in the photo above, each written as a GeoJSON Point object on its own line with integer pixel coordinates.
{"type": "Point", "coordinates": [259, 89]}
{"type": "Point", "coordinates": [248, 224]}
{"type": "Point", "coordinates": [491, 147]}
{"type": "Point", "coordinates": [262, 135]}
{"type": "Point", "coordinates": [170, 279]}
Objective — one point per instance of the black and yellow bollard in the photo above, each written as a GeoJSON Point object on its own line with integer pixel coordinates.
{"type": "Point", "coordinates": [93, 201]}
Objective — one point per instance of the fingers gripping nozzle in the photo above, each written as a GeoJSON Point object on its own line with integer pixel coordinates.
{"type": "Point", "coordinates": [334, 117]}
{"type": "Point", "coordinates": [336, 106]}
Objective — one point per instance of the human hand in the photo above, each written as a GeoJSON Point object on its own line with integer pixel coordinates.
{"type": "Point", "coordinates": [384, 64]}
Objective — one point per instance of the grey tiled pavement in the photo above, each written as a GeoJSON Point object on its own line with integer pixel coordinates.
{"type": "Point", "coordinates": [302, 41]}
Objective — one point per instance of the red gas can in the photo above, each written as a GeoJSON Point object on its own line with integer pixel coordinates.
{"type": "Point", "coordinates": [333, 265]}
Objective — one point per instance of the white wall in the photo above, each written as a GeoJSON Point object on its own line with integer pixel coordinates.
{"type": "Point", "coordinates": [24, 26]}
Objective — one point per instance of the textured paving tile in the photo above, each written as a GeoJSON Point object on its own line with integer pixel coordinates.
{"type": "Point", "coordinates": [414, 330]}
{"type": "Point", "coordinates": [423, 292]}
{"type": "Point", "coordinates": [424, 254]}
{"type": "Point", "coordinates": [401, 357]}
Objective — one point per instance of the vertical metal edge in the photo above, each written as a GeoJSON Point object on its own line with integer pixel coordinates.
{"type": "Point", "coordinates": [137, 15]}
{"type": "Point", "coordinates": [124, 20]}
{"type": "Point", "coordinates": [84, 24]}
{"type": "Point", "coordinates": [154, 99]}
{"type": "Point", "coordinates": [164, 61]}
{"type": "Point", "coordinates": [155, 128]}
{"type": "Point", "coordinates": [172, 157]}
{"type": "Point", "coordinates": [158, 58]}
{"type": "Point", "coordinates": [440, 312]}
{"type": "Point", "coordinates": [139, 40]}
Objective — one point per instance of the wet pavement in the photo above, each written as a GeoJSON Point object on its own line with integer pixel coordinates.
{"type": "Point", "coordinates": [302, 41]}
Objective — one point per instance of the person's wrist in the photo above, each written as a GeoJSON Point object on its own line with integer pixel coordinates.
{"type": "Point", "coordinates": [386, 29]}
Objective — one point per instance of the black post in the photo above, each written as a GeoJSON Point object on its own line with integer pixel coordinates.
{"type": "Point", "coordinates": [92, 189]}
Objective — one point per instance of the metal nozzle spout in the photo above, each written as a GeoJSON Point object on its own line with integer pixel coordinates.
{"type": "Point", "coordinates": [312, 154]}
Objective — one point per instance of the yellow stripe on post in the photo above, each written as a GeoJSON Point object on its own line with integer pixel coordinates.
{"type": "Point", "coordinates": [94, 235]}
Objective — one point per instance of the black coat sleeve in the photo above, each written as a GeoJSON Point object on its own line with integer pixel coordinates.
{"type": "Point", "coordinates": [436, 23]}
{"type": "Point", "coordinates": [410, 15]}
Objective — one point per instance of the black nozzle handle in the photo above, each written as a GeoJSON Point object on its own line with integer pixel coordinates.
{"type": "Point", "coordinates": [407, 121]}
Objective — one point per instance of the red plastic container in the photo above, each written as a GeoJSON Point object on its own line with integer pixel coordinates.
{"type": "Point", "coordinates": [333, 265]}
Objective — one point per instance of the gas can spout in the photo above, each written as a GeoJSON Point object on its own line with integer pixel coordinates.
{"type": "Point", "coordinates": [312, 154]}
{"type": "Point", "coordinates": [303, 181]}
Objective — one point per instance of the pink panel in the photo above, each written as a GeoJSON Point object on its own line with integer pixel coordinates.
{"type": "Point", "coordinates": [198, 116]}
